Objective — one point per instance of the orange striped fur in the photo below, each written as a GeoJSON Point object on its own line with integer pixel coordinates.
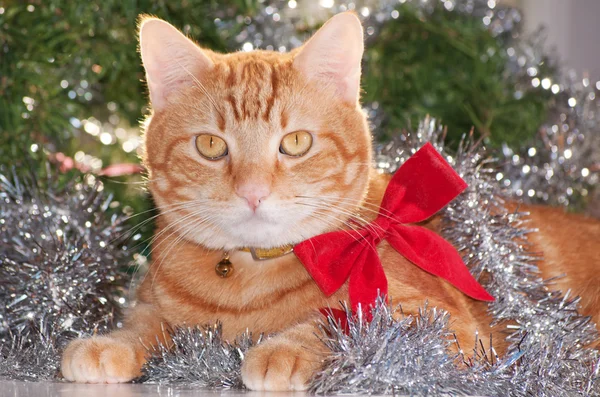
{"type": "Point", "coordinates": [251, 100]}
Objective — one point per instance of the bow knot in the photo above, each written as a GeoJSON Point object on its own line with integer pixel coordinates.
{"type": "Point", "coordinates": [380, 228]}
{"type": "Point", "coordinates": [421, 187]}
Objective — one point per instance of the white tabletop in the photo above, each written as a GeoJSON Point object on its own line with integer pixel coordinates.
{"type": "Point", "coordinates": [47, 389]}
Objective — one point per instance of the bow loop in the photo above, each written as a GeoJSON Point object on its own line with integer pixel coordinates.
{"type": "Point", "coordinates": [422, 186]}
{"type": "Point", "coordinates": [380, 228]}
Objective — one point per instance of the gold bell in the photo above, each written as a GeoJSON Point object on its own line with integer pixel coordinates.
{"type": "Point", "coordinates": [224, 268]}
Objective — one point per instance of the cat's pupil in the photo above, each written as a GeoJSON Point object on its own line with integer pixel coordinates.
{"type": "Point", "coordinates": [211, 141]}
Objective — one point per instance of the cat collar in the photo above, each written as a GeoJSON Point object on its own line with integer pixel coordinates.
{"type": "Point", "coordinates": [224, 268]}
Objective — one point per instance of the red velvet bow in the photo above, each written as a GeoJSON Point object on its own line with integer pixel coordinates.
{"type": "Point", "coordinates": [421, 187]}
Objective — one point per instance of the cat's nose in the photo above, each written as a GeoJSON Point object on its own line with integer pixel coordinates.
{"type": "Point", "coordinates": [253, 193]}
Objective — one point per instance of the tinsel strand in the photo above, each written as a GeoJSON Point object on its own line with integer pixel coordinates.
{"type": "Point", "coordinates": [199, 356]}
{"type": "Point", "coordinates": [62, 262]}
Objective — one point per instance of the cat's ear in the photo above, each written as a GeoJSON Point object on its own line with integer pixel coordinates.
{"type": "Point", "coordinates": [171, 60]}
{"type": "Point", "coordinates": [333, 55]}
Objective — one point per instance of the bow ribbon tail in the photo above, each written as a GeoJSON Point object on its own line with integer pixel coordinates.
{"type": "Point", "coordinates": [338, 316]}
{"type": "Point", "coordinates": [437, 256]}
{"type": "Point", "coordinates": [367, 280]}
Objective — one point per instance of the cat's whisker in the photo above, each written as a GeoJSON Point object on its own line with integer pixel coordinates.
{"type": "Point", "coordinates": [347, 215]}
{"type": "Point", "coordinates": [157, 209]}
{"type": "Point", "coordinates": [349, 225]}
{"type": "Point", "coordinates": [330, 221]}
{"type": "Point", "coordinates": [334, 223]}
{"type": "Point", "coordinates": [323, 211]}
{"type": "Point", "coordinates": [342, 211]}
{"type": "Point", "coordinates": [127, 233]}
{"type": "Point", "coordinates": [155, 237]}
{"type": "Point", "coordinates": [190, 225]}
{"type": "Point", "coordinates": [172, 229]}
{"type": "Point", "coordinates": [171, 208]}
{"type": "Point", "coordinates": [330, 204]}
{"type": "Point", "coordinates": [375, 209]}
{"type": "Point", "coordinates": [109, 180]}
{"type": "Point", "coordinates": [188, 205]}
{"type": "Point", "coordinates": [187, 228]}
{"type": "Point", "coordinates": [152, 239]}
{"type": "Point", "coordinates": [353, 227]}
{"type": "Point", "coordinates": [173, 226]}
{"type": "Point", "coordinates": [338, 209]}
{"type": "Point", "coordinates": [359, 203]}
{"type": "Point", "coordinates": [172, 243]}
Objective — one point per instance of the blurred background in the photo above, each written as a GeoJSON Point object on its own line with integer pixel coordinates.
{"type": "Point", "coordinates": [571, 28]}
{"type": "Point", "coordinates": [72, 92]}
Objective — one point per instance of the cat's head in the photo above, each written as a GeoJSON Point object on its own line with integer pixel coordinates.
{"type": "Point", "coordinates": [255, 149]}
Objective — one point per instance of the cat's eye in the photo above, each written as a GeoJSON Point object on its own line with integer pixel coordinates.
{"type": "Point", "coordinates": [211, 147]}
{"type": "Point", "coordinates": [296, 143]}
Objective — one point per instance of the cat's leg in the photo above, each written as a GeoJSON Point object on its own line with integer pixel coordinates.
{"type": "Point", "coordinates": [118, 356]}
{"type": "Point", "coordinates": [468, 322]}
{"type": "Point", "coordinates": [285, 362]}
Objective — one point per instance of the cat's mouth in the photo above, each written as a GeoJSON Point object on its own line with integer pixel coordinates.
{"type": "Point", "coordinates": [263, 216]}
{"type": "Point", "coordinates": [265, 229]}
{"type": "Point", "coordinates": [273, 226]}
{"type": "Point", "coordinates": [260, 234]}
{"type": "Point", "coordinates": [261, 222]}
{"type": "Point", "coordinates": [259, 219]}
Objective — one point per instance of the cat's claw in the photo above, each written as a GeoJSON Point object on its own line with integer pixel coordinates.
{"type": "Point", "coordinates": [100, 360]}
{"type": "Point", "coordinates": [278, 365]}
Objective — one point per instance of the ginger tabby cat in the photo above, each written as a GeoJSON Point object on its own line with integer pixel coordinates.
{"type": "Point", "coordinates": [264, 149]}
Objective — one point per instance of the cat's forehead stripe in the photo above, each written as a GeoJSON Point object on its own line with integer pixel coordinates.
{"type": "Point", "coordinates": [284, 119]}
{"type": "Point", "coordinates": [271, 98]}
{"type": "Point", "coordinates": [252, 87]}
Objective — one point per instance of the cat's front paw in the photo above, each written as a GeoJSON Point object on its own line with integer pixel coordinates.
{"type": "Point", "coordinates": [101, 359]}
{"type": "Point", "coordinates": [279, 365]}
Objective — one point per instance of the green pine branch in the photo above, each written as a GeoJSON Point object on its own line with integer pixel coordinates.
{"type": "Point", "coordinates": [449, 66]}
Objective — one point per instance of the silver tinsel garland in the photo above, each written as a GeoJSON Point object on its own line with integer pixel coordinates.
{"type": "Point", "coordinates": [62, 263]}
{"type": "Point", "coordinates": [562, 165]}
{"type": "Point", "coordinates": [32, 356]}
{"type": "Point", "coordinates": [391, 354]}
{"type": "Point", "coordinates": [199, 356]}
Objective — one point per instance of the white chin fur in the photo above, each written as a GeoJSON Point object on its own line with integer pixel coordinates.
{"type": "Point", "coordinates": [267, 228]}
